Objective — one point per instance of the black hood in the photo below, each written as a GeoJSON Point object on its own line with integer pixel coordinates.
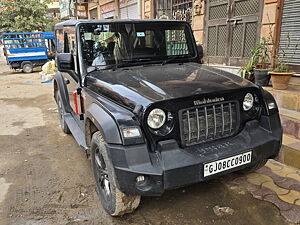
{"type": "Point", "coordinates": [143, 85]}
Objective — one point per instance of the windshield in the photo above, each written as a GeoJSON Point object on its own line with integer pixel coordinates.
{"type": "Point", "coordinates": [121, 44]}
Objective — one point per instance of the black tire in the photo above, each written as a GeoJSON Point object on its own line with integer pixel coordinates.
{"type": "Point", "coordinates": [115, 202]}
{"type": "Point", "coordinates": [253, 167]}
{"type": "Point", "coordinates": [27, 67]}
{"type": "Point", "coordinates": [61, 116]}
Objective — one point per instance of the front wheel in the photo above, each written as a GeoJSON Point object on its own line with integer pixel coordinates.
{"type": "Point", "coordinates": [115, 202]}
{"type": "Point", "coordinates": [61, 114]}
{"type": "Point", "coordinates": [27, 67]}
{"type": "Point", "coordinates": [253, 167]}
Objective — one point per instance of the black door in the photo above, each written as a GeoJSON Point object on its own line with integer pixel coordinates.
{"type": "Point", "coordinates": [232, 29]}
{"type": "Point", "coordinates": [72, 79]}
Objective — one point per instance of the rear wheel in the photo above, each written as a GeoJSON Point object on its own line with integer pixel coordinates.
{"type": "Point", "coordinates": [115, 202]}
{"type": "Point", "coordinates": [27, 67]}
{"type": "Point", "coordinates": [61, 114]}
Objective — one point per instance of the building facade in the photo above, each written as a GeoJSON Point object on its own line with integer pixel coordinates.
{"type": "Point", "coordinates": [227, 29]}
{"type": "Point", "coordinates": [73, 9]}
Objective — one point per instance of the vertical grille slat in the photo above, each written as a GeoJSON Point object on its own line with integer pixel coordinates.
{"type": "Point", "coordinates": [215, 121]}
{"type": "Point", "coordinates": [209, 122]}
{"type": "Point", "coordinates": [206, 123]}
{"type": "Point", "coordinates": [230, 117]}
{"type": "Point", "coordinates": [189, 124]}
{"type": "Point", "coordinates": [223, 124]}
{"type": "Point", "coordinates": [198, 124]}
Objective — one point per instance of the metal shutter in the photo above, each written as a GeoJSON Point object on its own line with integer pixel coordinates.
{"type": "Point", "coordinates": [290, 30]}
{"type": "Point", "coordinates": [109, 15]}
{"type": "Point", "coordinates": [129, 11]}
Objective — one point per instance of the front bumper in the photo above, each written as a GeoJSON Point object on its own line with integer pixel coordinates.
{"type": "Point", "coordinates": [171, 166]}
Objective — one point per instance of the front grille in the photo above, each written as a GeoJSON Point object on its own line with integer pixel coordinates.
{"type": "Point", "coordinates": [211, 122]}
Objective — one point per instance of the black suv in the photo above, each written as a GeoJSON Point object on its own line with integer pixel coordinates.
{"type": "Point", "coordinates": [137, 100]}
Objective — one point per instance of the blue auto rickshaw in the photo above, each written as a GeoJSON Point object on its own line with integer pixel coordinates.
{"type": "Point", "coordinates": [28, 50]}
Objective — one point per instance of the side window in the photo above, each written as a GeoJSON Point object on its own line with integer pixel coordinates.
{"type": "Point", "coordinates": [72, 42]}
{"type": "Point", "coordinates": [69, 43]}
{"type": "Point", "coordinates": [176, 43]}
{"type": "Point", "coordinates": [59, 41]}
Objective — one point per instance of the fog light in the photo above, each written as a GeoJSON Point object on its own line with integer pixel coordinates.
{"type": "Point", "coordinates": [143, 183]}
{"type": "Point", "coordinates": [140, 179]}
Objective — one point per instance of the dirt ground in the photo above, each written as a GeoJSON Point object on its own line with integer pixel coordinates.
{"type": "Point", "coordinates": [45, 177]}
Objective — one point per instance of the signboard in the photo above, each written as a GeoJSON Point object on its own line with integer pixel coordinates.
{"type": "Point", "coordinates": [64, 7]}
{"type": "Point", "coordinates": [107, 7]}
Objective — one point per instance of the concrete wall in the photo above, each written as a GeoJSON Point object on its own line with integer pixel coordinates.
{"type": "Point", "coordinates": [198, 20]}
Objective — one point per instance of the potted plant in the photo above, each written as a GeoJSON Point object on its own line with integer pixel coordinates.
{"type": "Point", "coordinates": [262, 53]}
{"type": "Point", "coordinates": [247, 70]}
{"type": "Point", "coordinates": [281, 74]}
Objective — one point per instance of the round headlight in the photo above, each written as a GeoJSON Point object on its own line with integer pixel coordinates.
{"type": "Point", "coordinates": [248, 102]}
{"type": "Point", "coordinates": [156, 118]}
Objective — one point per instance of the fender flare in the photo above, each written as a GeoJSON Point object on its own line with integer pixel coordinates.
{"type": "Point", "coordinates": [60, 86]}
{"type": "Point", "coordinates": [104, 123]}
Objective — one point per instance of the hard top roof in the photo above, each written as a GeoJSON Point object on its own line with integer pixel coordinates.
{"type": "Point", "coordinates": [75, 22]}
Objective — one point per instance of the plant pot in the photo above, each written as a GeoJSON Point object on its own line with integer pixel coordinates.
{"type": "Point", "coordinates": [249, 76]}
{"type": "Point", "coordinates": [280, 81]}
{"type": "Point", "coordinates": [262, 77]}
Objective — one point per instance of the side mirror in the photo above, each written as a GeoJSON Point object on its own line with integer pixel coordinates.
{"type": "Point", "coordinates": [200, 51]}
{"type": "Point", "coordinates": [65, 62]}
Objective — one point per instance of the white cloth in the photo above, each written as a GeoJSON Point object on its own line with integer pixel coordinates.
{"type": "Point", "coordinates": [99, 61]}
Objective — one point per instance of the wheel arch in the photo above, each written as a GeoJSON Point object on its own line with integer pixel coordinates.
{"type": "Point", "coordinates": [97, 119]}
{"type": "Point", "coordinates": [26, 62]}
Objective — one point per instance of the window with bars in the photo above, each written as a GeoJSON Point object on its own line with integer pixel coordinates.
{"type": "Point", "coordinates": [182, 10]}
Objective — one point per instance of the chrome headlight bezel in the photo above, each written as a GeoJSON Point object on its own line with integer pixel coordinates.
{"type": "Point", "coordinates": [248, 102]}
{"type": "Point", "coordinates": [156, 114]}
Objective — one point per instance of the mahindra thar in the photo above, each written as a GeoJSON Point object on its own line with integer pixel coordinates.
{"type": "Point", "coordinates": [149, 115]}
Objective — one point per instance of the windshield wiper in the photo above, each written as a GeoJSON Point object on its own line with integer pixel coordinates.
{"type": "Point", "coordinates": [126, 62]}
{"type": "Point", "coordinates": [136, 60]}
{"type": "Point", "coordinates": [172, 58]}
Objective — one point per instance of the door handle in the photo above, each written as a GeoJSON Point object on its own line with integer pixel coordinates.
{"type": "Point", "coordinates": [67, 81]}
{"type": "Point", "coordinates": [235, 20]}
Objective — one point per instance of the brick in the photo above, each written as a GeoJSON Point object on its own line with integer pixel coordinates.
{"type": "Point", "coordinates": [198, 22]}
{"type": "Point", "coordinates": [268, 172]}
{"type": "Point", "coordinates": [290, 154]}
{"type": "Point", "coordinates": [271, 1]}
{"type": "Point", "coordinates": [292, 215]}
{"type": "Point", "coordinates": [295, 187]}
{"type": "Point", "coordinates": [291, 197]}
{"type": "Point", "coordinates": [199, 37]}
{"type": "Point", "coordinates": [290, 127]}
{"type": "Point", "coordinates": [288, 183]}
{"type": "Point", "coordinates": [294, 176]}
{"type": "Point", "coordinates": [258, 179]}
{"type": "Point", "coordinates": [290, 101]}
{"type": "Point", "coordinates": [243, 181]}
{"type": "Point", "coordinates": [278, 190]}
{"type": "Point", "coordinates": [262, 192]}
{"type": "Point", "coordinates": [283, 206]}
{"type": "Point", "coordinates": [265, 31]}
{"type": "Point", "coordinates": [297, 202]}
{"type": "Point", "coordinates": [274, 167]}
{"type": "Point", "coordinates": [269, 13]}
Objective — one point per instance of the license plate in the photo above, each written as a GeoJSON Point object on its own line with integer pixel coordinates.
{"type": "Point", "coordinates": [226, 164]}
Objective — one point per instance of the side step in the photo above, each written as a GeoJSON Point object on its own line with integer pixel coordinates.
{"type": "Point", "coordinates": [76, 131]}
